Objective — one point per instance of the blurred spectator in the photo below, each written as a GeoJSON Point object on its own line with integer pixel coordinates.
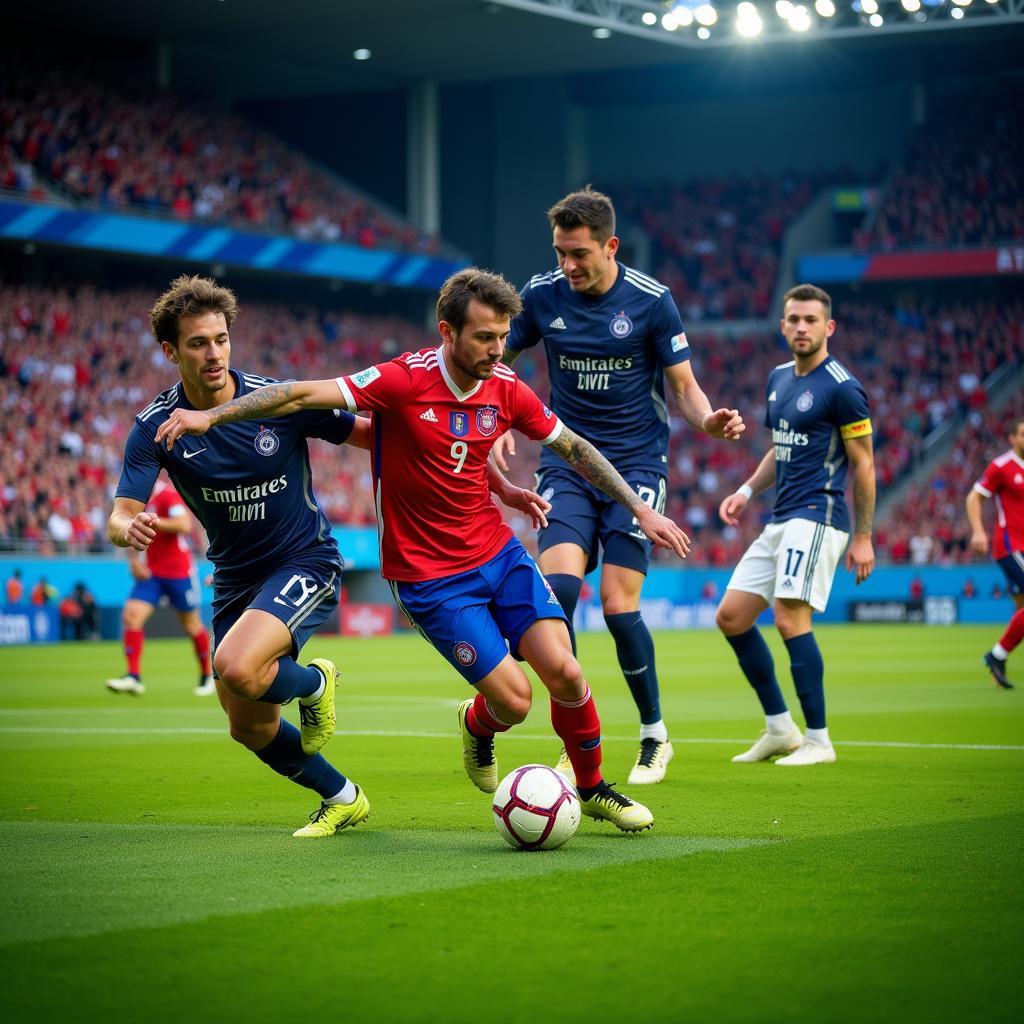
{"type": "Point", "coordinates": [916, 589]}
{"type": "Point", "coordinates": [43, 592]}
{"type": "Point", "coordinates": [14, 589]}
{"type": "Point", "coordinates": [78, 615]}
{"type": "Point", "coordinates": [968, 590]}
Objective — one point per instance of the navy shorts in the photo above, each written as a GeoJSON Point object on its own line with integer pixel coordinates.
{"type": "Point", "coordinates": [476, 618]}
{"type": "Point", "coordinates": [182, 594]}
{"type": "Point", "coordinates": [302, 595]}
{"type": "Point", "coordinates": [582, 515]}
{"type": "Point", "coordinates": [1013, 569]}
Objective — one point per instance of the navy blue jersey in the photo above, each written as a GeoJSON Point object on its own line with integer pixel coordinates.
{"type": "Point", "coordinates": [810, 417]}
{"type": "Point", "coordinates": [248, 482]}
{"type": "Point", "coordinates": [605, 359]}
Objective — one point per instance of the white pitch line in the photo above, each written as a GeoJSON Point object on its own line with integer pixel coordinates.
{"type": "Point", "coordinates": [410, 734]}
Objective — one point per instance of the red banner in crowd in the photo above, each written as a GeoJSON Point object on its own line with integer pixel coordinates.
{"type": "Point", "coordinates": [890, 266]}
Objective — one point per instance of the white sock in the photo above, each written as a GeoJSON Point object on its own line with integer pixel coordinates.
{"type": "Point", "coordinates": [316, 695]}
{"type": "Point", "coordinates": [1000, 652]}
{"type": "Point", "coordinates": [819, 736]}
{"type": "Point", "coordinates": [780, 723]}
{"type": "Point", "coordinates": [654, 731]}
{"type": "Point", "coordinates": [345, 795]}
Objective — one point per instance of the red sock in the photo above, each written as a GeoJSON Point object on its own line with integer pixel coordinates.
{"type": "Point", "coordinates": [133, 639]}
{"type": "Point", "coordinates": [579, 728]}
{"type": "Point", "coordinates": [201, 642]}
{"type": "Point", "coordinates": [1014, 631]}
{"type": "Point", "coordinates": [480, 719]}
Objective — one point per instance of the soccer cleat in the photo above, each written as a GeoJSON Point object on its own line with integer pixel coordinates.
{"type": "Point", "coordinates": [625, 814]}
{"type": "Point", "coordinates": [317, 717]}
{"type": "Point", "coordinates": [126, 684]}
{"type": "Point", "coordinates": [810, 752]}
{"type": "Point", "coordinates": [651, 762]}
{"type": "Point", "coordinates": [771, 743]}
{"type": "Point", "coordinates": [206, 688]}
{"type": "Point", "coordinates": [332, 818]}
{"type": "Point", "coordinates": [478, 754]}
{"type": "Point", "coordinates": [998, 670]}
{"type": "Point", "coordinates": [564, 767]}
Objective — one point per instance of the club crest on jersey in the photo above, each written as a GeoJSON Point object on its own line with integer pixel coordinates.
{"type": "Point", "coordinates": [465, 653]}
{"type": "Point", "coordinates": [621, 325]}
{"type": "Point", "coordinates": [266, 442]}
{"type": "Point", "coordinates": [459, 422]}
{"type": "Point", "coordinates": [487, 420]}
{"type": "Point", "coordinates": [805, 401]}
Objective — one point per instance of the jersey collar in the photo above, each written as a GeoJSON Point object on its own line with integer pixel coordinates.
{"type": "Point", "coordinates": [452, 386]}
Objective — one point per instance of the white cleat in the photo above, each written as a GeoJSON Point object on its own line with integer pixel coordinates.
{"type": "Point", "coordinates": [810, 752]}
{"type": "Point", "coordinates": [126, 684]}
{"type": "Point", "coordinates": [771, 743]}
{"type": "Point", "coordinates": [651, 762]}
{"type": "Point", "coordinates": [565, 769]}
{"type": "Point", "coordinates": [207, 688]}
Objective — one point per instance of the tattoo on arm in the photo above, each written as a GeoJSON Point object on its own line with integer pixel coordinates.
{"type": "Point", "coordinates": [271, 398]}
{"type": "Point", "coordinates": [595, 468]}
{"type": "Point", "coordinates": [864, 499]}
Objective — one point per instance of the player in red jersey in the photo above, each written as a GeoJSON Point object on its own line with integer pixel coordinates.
{"type": "Point", "coordinates": [168, 570]}
{"type": "Point", "coordinates": [1003, 482]}
{"type": "Point", "coordinates": [454, 565]}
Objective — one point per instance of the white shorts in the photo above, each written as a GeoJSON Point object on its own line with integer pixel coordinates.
{"type": "Point", "coordinates": [796, 559]}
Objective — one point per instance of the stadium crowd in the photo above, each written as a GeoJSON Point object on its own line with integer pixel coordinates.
{"type": "Point", "coordinates": [132, 145]}
{"type": "Point", "coordinates": [75, 368]}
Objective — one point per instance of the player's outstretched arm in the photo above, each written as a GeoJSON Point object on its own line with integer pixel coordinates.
{"type": "Point", "coordinates": [979, 537]}
{"type": "Point", "coordinates": [694, 405]}
{"type": "Point", "coordinates": [522, 499]}
{"type": "Point", "coordinates": [270, 400]}
{"type": "Point", "coordinates": [860, 555]}
{"type": "Point", "coordinates": [130, 525]}
{"type": "Point", "coordinates": [597, 470]}
{"type": "Point", "coordinates": [763, 478]}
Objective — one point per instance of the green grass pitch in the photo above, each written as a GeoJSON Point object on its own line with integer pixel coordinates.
{"type": "Point", "coordinates": [148, 873]}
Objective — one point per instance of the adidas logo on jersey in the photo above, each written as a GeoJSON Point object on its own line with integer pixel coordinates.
{"type": "Point", "coordinates": [430, 416]}
{"type": "Point", "coordinates": [558, 324]}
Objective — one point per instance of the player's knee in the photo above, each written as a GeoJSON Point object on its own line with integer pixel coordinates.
{"type": "Point", "coordinates": [513, 707]}
{"type": "Point", "coordinates": [728, 621]}
{"type": "Point", "coordinates": [241, 677]}
{"type": "Point", "coordinates": [567, 682]}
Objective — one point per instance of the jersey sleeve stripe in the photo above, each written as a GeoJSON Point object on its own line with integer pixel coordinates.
{"type": "Point", "coordinates": [346, 393]}
{"type": "Point", "coordinates": [645, 279]}
{"type": "Point", "coordinates": [983, 491]}
{"type": "Point", "coordinates": [160, 405]}
{"type": "Point", "coordinates": [861, 428]}
{"type": "Point", "coordinates": [555, 431]}
{"type": "Point", "coordinates": [657, 292]}
{"type": "Point", "coordinates": [837, 372]}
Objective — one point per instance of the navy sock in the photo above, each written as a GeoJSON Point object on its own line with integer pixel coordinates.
{"type": "Point", "coordinates": [808, 670]}
{"type": "Point", "coordinates": [635, 649]}
{"type": "Point", "coordinates": [284, 754]}
{"type": "Point", "coordinates": [567, 590]}
{"type": "Point", "coordinates": [292, 680]}
{"type": "Point", "coordinates": [756, 661]}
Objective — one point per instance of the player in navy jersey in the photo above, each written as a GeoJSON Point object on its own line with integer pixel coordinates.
{"type": "Point", "coordinates": [454, 566]}
{"type": "Point", "coordinates": [613, 338]}
{"type": "Point", "coordinates": [277, 567]}
{"type": "Point", "coordinates": [820, 423]}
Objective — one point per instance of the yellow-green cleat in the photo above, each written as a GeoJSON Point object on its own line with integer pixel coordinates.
{"type": "Point", "coordinates": [477, 754]}
{"type": "Point", "coordinates": [317, 717]}
{"type": "Point", "coordinates": [331, 818]}
{"type": "Point", "coordinates": [625, 814]}
{"type": "Point", "coordinates": [564, 767]}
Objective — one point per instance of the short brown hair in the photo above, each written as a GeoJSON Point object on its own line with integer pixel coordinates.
{"type": "Point", "coordinates": [491, 290]}
{"type": "Point", "coordinates": [586, 208]}
{"type": "Point", "coordinates": [1015, 424]}
{"type": "Point", "coordinates": [809, 293]}
{"type": "Point", "coordinates": [190, 295]}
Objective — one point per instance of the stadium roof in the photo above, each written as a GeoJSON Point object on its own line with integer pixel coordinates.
{"type": "Point", "coordinates": [253, 48]}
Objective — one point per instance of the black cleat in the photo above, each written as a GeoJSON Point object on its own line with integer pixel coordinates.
{"type": "Point", "coordinates": [998, 670]}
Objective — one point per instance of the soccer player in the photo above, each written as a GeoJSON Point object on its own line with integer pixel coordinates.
{"type": "Point", "coordinates": [1003, 481]}
{"type": "Point", "coordinates": [454, 566]}
{"type": "Point", "coordinates": [613, 337]}
{"type": "Point", "coordinates": [277, 567]}
{"type": "Point", "coordinates": [818, 415]}
{"type": "Point", "coordinates": [167, 570]}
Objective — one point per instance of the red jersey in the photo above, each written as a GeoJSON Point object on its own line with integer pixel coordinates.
{"type": "Point", "coordinates": [169, 555]}
{"type": "Point", "coordinates": [431, 440]}
{"type": "Point", "coordinates": [1003, 482]}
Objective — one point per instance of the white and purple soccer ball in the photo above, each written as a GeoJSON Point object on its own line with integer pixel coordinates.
{"type": "Point", "coordinates": [535, 808]}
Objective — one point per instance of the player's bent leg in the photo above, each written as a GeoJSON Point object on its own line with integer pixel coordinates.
{"type": "Point", "coordinates": [192, 624]}
{"type": "Point", "coordinates": [995, 659]}
{"type": "Point", "coordinates": [503, 700]}
{"type": "Point", "coordinates": [134, 616]}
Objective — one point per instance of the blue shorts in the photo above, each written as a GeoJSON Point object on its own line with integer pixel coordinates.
{"type": "Point", "coordinates": [1013, 569]}
{"type": "Point", "coordinates": [182, 594]}
{"type": "Point", "coordinates": [302, 595]}
{"type": "Point", "coordinates": [476, 618]}
{"type": "Point", "coordinates": [582, 515]}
